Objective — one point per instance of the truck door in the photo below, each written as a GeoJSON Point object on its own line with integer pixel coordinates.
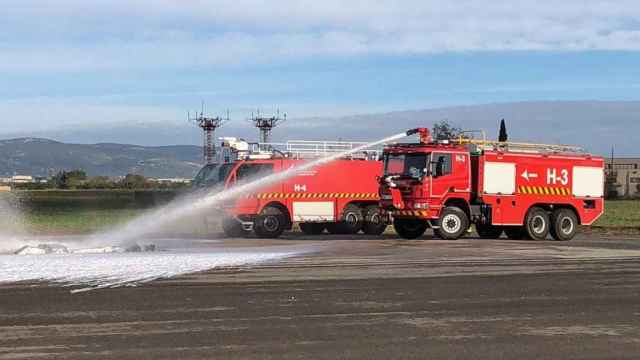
{"type": "Point", "coordinates": [249, 172]}
{"type": "Point", "coordinates": [449, 173]}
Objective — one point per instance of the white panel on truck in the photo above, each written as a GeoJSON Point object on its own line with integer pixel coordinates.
{"type": "Point", "coordinates": [588, 181]}
{"type": "Point", "coordinates": [499, 178]}
{"type": "Point", "coordinates": [313, 211]}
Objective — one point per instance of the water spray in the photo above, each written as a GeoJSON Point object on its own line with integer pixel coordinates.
{"type": "Point", "coordinates": [11, 223]}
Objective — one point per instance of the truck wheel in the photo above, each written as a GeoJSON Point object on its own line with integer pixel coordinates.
{"type": "Point", "coordinates": [453, 223]}
{"type": "Point", "coordinates": [374, 224]}
{"type": "Point", "coordinates": [270, 223]}
{"type": "Point", "coordinates": [233, 228]}
{"type": "Point", "coordinates": [488, 231]}
{"type": "Point", "coordinates": [537, 223]}
{"type": "Point", "coordinates": [312, 228]}
{"type": "Point", "coordinates": [515, 233]}
{"type": "Point", "coordinates": [564, 224]}
{"type": "Point", "coordinates": [410, 228]}
{"type": "Point", "coordinates": [351, 221]}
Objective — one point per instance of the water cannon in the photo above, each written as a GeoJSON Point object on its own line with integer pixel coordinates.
{"type": "Point", "coordinates": [425, 135]}
{"type": "Point", "coordinates": [235, 144]}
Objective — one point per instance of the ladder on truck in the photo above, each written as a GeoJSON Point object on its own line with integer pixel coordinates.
{"type": "Point", "coordinates": [302, 149]}
{"type": "Point", "coordinates": [511, 146]}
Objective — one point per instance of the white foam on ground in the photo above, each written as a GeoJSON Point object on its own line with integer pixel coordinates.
{"type": "Point", "coordinates": [92, 271]}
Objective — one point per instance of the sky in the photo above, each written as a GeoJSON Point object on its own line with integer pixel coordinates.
{"type": "Point", "coordinates": [70, 64]}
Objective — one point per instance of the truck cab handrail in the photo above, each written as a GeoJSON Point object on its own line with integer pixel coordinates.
{"type": "Point", "coordinates": [310, 148]}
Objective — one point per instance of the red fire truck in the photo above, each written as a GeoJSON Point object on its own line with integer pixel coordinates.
{"type": "Point", "coordinates": [523, 190]}
{"type": "Point", "coordinates": [340, 196]}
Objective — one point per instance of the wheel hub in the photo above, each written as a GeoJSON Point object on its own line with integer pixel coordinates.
{"type": "Point", "coordinates": [271, 223]}
{"type": "Point", "coordinates": [451, 223]}
{"type": "Point", "coordinates": [538, 224]}
{"type": "Point", "coordinates": [351, 218]}
{"type": "Point", "coordinates": [375, 219]}
{"type": "Point", "coordinates": [566, 225]}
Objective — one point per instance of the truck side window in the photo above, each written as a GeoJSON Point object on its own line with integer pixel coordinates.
{"type": "Point", "coordinates": [441, 164]}
{"type": "Point", "coordinates": [253, 171]}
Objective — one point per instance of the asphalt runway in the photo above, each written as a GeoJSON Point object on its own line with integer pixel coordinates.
{"type": "Point", "coordinates": [352, 298]}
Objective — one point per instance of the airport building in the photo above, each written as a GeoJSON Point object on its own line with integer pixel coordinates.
{"type": "Point", "coordinates": [623, 177]}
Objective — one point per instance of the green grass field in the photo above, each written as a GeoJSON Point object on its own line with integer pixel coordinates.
{"type": "Point", "coordinates": [620, 213]}
{"type": "Point", "coordinates": [80, 212]}
{"type": "Point", "coordinates": [79, 221]}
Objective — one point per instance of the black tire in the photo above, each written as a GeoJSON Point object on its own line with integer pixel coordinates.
{"type": "Point", "coordinates": [537, 223]}
{"type": "Point", "coordinates": [453, 223]}
{"type": "Point", "coordinates": [410, 228]}
{"type": "Point", "coordinates": [488, 231]}
{"type": "Point", "coordinates": [516, 233]}
{"type": "Point", "coordinates": [564, 224]}
{"type": "Point", "coordinates": [233, 228]}
{"type": "Point", "coordinates": [333, 228]}
{"type": "Point", "coordinates": [312, 228]}
{"type": "Point", "coordinates": [271, 223]}
{"type": "Point", "coordinates": [374, 224]}
{"type": "Point", "coordinates": [351, 221]}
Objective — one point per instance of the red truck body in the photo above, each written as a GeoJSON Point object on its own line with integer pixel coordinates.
{"type": "Point", "coordinates": [340, 196]}
{"type": "Point", "coordinates": [524, 190]}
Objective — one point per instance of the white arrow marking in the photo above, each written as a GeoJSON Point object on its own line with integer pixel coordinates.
{"type": "Point", "coordinates": [527, 175]}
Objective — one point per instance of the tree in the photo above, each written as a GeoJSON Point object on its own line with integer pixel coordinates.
{"type": "Point", "coordinates": [70, 179]}
{"type": "Point", "coordinates": [99, 182]}
{"type": "Point", "coordinates": [132, 181]}
{"type": "Point", "coordinates": [443, 130]}
{"type": "Point", "coordinates": [503, 132]}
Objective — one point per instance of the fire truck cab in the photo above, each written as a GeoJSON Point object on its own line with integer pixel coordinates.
{"type": "Point", "coordinates": [340, 197]}
{"type": "Point", "coordinates": [523, 190]}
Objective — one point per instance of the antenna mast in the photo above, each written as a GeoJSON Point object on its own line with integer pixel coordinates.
{"type": "Point", "coordinates": [266, 124]}
{"type": "Point", "coordinates": [209, 125]}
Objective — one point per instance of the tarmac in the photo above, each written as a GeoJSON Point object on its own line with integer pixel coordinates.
{"type": "Point", "coordinates": [352, 298]}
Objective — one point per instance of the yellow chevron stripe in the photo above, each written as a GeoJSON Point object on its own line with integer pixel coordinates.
{"type": "Point", "coordinates": [319, 195]}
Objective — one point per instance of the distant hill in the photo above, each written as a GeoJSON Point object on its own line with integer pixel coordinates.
{"type": "Point", "coordinates": [596, 125]}
{"type": "Point", "coordinates": [41, 157]}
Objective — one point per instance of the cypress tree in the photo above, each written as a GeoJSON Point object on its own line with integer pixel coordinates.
{"type": "Point", "coordinates": [503, 132]}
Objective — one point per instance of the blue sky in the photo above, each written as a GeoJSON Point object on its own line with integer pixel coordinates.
{"type": "Point", "coordinates": [79, 63]}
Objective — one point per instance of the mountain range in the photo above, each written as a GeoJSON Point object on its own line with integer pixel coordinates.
{"type": "Point", "coordinates": [43, 157]}
{"type": "Point", "coordinates": [599, 126]}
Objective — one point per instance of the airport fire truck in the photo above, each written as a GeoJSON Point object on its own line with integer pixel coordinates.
{"type": "Point", "coordinates": [340, 197]}
{"type": "Point", "coordinates": [523, 190]}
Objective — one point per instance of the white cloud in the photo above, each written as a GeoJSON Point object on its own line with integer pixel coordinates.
{"type": "Point", "coordinates": [78, 35]}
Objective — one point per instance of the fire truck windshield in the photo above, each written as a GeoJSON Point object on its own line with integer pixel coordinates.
{"type": "Point", "coordinates": [212, 175]}
{"type": "Point", "coordinates": [410, 165]}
